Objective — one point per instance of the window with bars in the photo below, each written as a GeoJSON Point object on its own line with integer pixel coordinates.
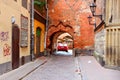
{"type": "Point", "coordinates": [24, 3]}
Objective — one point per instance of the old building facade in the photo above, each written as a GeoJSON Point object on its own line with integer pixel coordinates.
{"type": "Point", "coordinates": [107, 33]}
{"type": "Point", "coordinates": [39, 27]}
{"type": "Point", "coordinates": [112, 33]}
{"type": "Point", "coordinates": [39, 36]}
{"type": "Point", "coordinates": [14, 34]}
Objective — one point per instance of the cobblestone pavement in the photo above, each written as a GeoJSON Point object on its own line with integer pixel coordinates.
{"type": "Point", "coordinates": [57, 68]}
{"type": "Point", "coordinates": [92, 70]}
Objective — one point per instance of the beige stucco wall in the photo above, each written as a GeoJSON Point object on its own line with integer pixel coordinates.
{"type": "Point", "coordinates": [9, 8]}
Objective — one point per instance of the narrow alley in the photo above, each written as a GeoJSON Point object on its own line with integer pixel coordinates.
{"type": "Point", "coordinates": [59, 39]}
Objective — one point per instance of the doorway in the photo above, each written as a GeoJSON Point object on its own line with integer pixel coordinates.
{"type": "Point", "coordinates": [38, 33]}
{"type": "Point", "coordinates": [15, 46]}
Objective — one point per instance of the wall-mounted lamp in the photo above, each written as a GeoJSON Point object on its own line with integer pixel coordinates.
{"type": "Point", "coordinates": [90, 19]}
{"type": "Point", "coordinates": [12, 19]}
{"type": "Point", "coordinates": [93, 10]}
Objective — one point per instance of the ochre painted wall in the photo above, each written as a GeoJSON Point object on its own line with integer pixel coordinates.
{"type": "Point", "coordinates": [42, 27]}
{"type": "Point", "coordinates": [9, 8]}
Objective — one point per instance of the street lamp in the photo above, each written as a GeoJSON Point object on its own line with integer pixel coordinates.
{"type": "Point", "coordinates": [93, 10]}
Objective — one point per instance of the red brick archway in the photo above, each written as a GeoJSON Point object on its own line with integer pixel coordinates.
{"type": "Point", "coordinates": [70, 16]}
{"type": "Point", "coordinates": [55, 30]}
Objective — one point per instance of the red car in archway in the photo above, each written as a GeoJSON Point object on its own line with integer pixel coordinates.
{"type": "Point", "coordinates": [62, 47]}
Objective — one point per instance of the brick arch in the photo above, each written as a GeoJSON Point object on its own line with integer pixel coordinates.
{"type": "Point", "coordinates": [55, 36]}
{"type": "Point", "coordinates": [59, 29]}
{"type": "Point", "coordinates": [53, 40]}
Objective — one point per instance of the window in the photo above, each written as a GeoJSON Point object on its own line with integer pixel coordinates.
{"type": "Point", "coordinates": [113, 12]}
{"type": "Point", "coordinates": [24, 3]}
{"type": "Point", "coordinates": [24, 31]}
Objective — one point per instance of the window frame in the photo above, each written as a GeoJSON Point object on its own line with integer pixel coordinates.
{"type": "Point", "coordinates": [25, 4]}
{"type": "Point", "coordinates": [110, 14]}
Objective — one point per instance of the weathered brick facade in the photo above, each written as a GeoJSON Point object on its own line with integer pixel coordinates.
{"type": "Point", "coordinates": [70, 16]}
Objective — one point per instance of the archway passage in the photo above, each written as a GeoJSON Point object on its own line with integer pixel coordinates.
{"type": "Point", "coordinates": [66, 39]}
{"type": "Point", "coordinates": [55, 31]}
{"type": "Point", "coordinates": [64, 44]}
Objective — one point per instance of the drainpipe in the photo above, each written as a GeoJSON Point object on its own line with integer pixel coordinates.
{"type": "Point", "coordinates": [32, 30]}
{"type": "Point", "coordinates": [46, 28]}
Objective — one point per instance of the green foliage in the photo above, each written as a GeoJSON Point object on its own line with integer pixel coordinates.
{"type": "Point", "coordinates": [40, 6]}
{"type": "Point", "coordinates": [39, 3]}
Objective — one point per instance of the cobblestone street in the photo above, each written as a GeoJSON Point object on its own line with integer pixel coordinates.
{"type": "Point", "coordinates": [57, 68]}
{"type": "Point", "coordinates": [63, 66]}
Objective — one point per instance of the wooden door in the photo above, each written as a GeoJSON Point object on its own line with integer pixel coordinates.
{"type": "Point", "coordinates": [15, 46]}
{"type": "Point", "coordinates": [38, 33]}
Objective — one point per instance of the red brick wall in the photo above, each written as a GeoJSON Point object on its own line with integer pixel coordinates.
{"type": "Point", "coordinates": [73, 13]}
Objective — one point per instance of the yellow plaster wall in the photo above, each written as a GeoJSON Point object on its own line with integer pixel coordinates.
{"type": "Point", "coordinates": [42, 27]}
{"type": "Point", "coordinates": [26, 13]}
{"type": "Point", "coordinates": [9, 8]}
